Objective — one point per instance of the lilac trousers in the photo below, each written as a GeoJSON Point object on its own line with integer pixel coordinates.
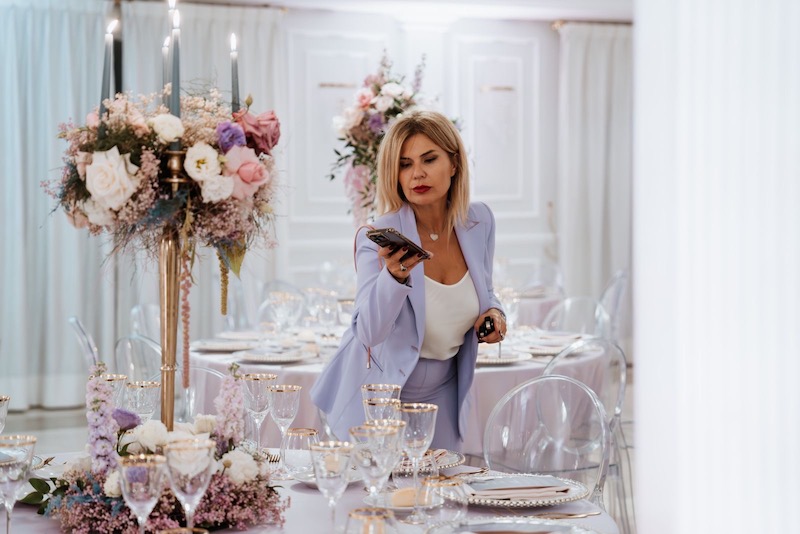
{"type": "Point", "coordinates": [436, 382]}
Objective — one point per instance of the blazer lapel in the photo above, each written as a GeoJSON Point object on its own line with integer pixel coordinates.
{"type": "Point", "coordinates": [473, 244]}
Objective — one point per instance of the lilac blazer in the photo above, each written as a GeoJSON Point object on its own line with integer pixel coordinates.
{"type": "Point", "coordinates": [389, 317]}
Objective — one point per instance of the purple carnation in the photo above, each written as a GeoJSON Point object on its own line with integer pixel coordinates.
{"type": "Point", "coordinates": [125, 419]}
{"type": "Point", "coordinates": [230, 135]}
{"type": "Point", "coordinates": [376, 123]}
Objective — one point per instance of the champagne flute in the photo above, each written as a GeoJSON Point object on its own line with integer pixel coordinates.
{"type": "Point", "coordinates": [284, 402]}
{"type": "Point", "coordinates": [4, 400]}
{"type": "Point", "coordinates": [143, 397]}
{"type": "Point", "coordinates": [16, 454]}
{"type": "Point", "coordinates": [373, 454]}
{"type": "Point", "coordinates": [256, 398]}
{"type": "Point", "coordinates": [420, 421]}
{"type": "Point", "coordinates": [331, 468]}
{"type": "Point", "coordinates": [142, 482]}
{"type": "Point", "coordinates": [190, 464]}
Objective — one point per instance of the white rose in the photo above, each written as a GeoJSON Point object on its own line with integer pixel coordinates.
{"type": "Point", "coordinates": [339, 126]}
{"type": "Point", "coordinates": [111, 486]}
{"type": "Point", "coordinates": [79, 464]}
{"type": "Point", "coordinates": [168, 127]}
{"type": "Point", "coordinates": [217, 188]}
{"type": "Point", "coordinates": [394, 90]}
{"type": "Point", "coordinates": [204, 423]}
{"type": "Point", "coordinates": [151, 435]}
{"type": "Point", "coordinates": [243, 467]}
{"type": "Point", "coordinates": [202, 162]}
{"type": "Point", "coordinates": [383, 102]}
{"type": "Point", "coordinates": [97, 214]}
{"type": "Point", "coordinates": [111, 178]}
{"type": "Point", "coordinates": [352, 118]}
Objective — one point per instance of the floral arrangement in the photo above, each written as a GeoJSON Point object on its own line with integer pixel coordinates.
{"type": "Point", "coordinates": [377, 104]}
{"type": "Point", "coordinates": [115, 166]}
{"type": "Point", "coordinates": [88, 498]}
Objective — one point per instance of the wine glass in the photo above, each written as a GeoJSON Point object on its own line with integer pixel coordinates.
{"type": "Point", "coordinates": [190, 464]}
{"type": "Point", "coordinates": [445, 498]}
{"type": "Point", "coordinates": [380, 391]}
{"type": "Point", "coordinates": [142, 482]}
{"type": "Point", "coordinates": [420, 421]}
{"type": "Point", "coordinates": [331, 468]}
{"type": "Point", "coordinates": [373, 452]}
{"type": "Point", "coordinates": [296, 452]}
{"type": "Point", "coordinates": [256, 399]}
{"type": "Point", "coordinates": [117, 383]}
{"type": "Point", "coordinates": [4, 400]}
{"type": "Point", "coordinates": [16, 454]}
{"type": "Point", "coordinates": [405, 488]}
{"type": "Point", "coordinates": [284, 401]}
{"type": "Point", "coordinates": [143, 397]}
{"type": "Point", "coordinates": [370, 521]}
{"type": "Point", "coordinates": [381, 408]}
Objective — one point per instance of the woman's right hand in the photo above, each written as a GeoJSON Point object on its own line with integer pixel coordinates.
{"type": "Point", "coordinates": [399, 270]}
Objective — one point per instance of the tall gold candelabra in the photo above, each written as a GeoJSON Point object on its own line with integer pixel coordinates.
{"type": "Point", "coordinates": [169, 294]}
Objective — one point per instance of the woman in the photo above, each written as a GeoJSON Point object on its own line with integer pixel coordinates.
{"type": "Point", "coordinates": [417, 323]}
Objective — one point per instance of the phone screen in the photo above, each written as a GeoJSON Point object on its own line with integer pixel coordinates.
{"type": "Point", "coordinates": [389, 237]}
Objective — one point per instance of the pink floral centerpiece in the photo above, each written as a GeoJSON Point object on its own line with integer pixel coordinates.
{"type": "Point", "coordinates": [87, 496]}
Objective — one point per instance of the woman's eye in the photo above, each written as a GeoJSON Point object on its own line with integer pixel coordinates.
{"type": "Point", "coordinates": [430, 160]}
{"type": "Point", "coordinates": [405, 165]}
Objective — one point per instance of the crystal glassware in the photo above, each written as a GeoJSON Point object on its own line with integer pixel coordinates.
{"type": "Point", "coordinates": [16, 454]}
{"type": "Point", "coordinates": [118, 384]}
{"type": "Point", "coordinates": [296, 452]}
{"type": "Point", "coordinates": [284, 401]}
{"type": "Point", "coordinates": [142, 479]}
{"type": "Point", "coordinates": [382, 408]}
{"type": "Point", "coordinates": [257, 399]}
{"type": "Point", "coordinates": [190, 464]}
{"type": "Point", "coordinates": [143, 397]}
{"type": "Point", "coordinates": [397, 446]}
{"type": "Point", "coordinates": [331, 468]}
{"type": "Point", "coordinates": [445, 498]}
{"type": "Point", "coordinates": [420, 421]}
{"type": "Point", "coordinates": [373, 454]}
{"type": "Point", "coordinates": [4, 401]}
{"type": "Point", "coordinates": [370, 521]}
{"type": "Point", "coordinates": [380, 391]}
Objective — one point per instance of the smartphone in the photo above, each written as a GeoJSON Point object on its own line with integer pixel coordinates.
{"type": "Point", "coordinates": [486, 328]}
{"type": "Point", "coordinates": [389, 237]}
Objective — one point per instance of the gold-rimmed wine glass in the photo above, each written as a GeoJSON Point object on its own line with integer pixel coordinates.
{"type": "Point", "coordinates": [397, 445]}
{"type": "Point", "coordinates": [142, 398]}
{"type": "Point", "coordinates": [420, 418]}
{"type": "Point", "coordinates": [142, 479]}
{"type": "Point", "coordinates": [370, 521]}
{"type": "Point", "coordinates": [380, 391]}
{"type": "Point", "coordinates": [16, 454]}
{"type": "Point", "coordinates": [381, 408]}
{"type": "Point", "coordinates": [4, 401]}
{"type": "Point", "coordinates": [373, 453]}
{"type": "Point", "coordinates": [296, 452]}
{"type": "Point", "coordinates": [257, 399]}
{"type": "Point", "coordinates": [331, 468]}
{"type": "Point", "coordinates": [190, 464]}
{"type": "Point", "coordinates": [117, 383]}
{"type": "Point", "coordinates": [284, 401]}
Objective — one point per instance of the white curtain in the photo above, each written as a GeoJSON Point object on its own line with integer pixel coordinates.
{"type": "Point", "coordinates": [593, 206]}
{"type": "Point", "coordinates": [51, 54]}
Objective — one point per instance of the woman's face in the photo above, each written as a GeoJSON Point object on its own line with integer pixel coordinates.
{"type": "Point", "coordinates": [425, 171]}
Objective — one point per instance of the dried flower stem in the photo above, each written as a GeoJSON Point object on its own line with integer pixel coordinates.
{"type": "Point", "coordinates": [223, 283]}
{"type": "Point", "coordinates": [186, 285]}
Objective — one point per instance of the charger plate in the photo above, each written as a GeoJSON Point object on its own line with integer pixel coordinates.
{"type": "Point", "coordinates": [255, 356]}
{"type": "Point", "coordinates": [507, 524]}
{"type": "Point", "coordinates": [507, 358]}
{"type": "Point", "coordinates": [444, 460]}
{"type": "Point", "coordinates": [576, 492]}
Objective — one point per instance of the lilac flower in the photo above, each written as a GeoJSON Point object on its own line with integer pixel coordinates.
{"type": "Point", "coordinates": [230, 135]}
{"type": "Point", "coordinates": [230, 414]}
{"type": "Point", "coordinates": [125, 419]}
{"type": "Point", "coordinates": [376, 123]}
{"type": "Point", "coordinates": [136, 475]}
{"type": "Point", "coordinates": [102, 427]}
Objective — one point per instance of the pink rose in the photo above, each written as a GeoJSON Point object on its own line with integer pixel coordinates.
{"type": "Point", "coordinates": [92, 120]}
{"type": "Point", "coordinates": [82, 159]}
{"type": "Point", "coordinates": [261, 131]}
{"type": "Point", "coordinates": [363, 97]}
{"type": "Point", "coordinates": [248, 172]}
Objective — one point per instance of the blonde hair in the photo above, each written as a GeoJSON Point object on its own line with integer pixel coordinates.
{"type": "Point", "coordinates": [440, 130]}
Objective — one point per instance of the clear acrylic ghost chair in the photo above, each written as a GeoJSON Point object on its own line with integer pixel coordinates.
{"type": "Point", "coordinates": [612, 299]}
{"type": "Point", "coordinates": [193, 400]}
{"type": "Point", "coordinates": [602, 366]}
{"type": "Point", "coordinates": [138, 357]}
{"type": "Point", "coordinates": [146, 321]}
{"type": "Point", "coordinates": [543, 288]}
{"type": "Point", "coordinates": [552, 425]}
{"type": "Point", "coordinates": [88, 348]}
{"type": "Point", "coordinates": [583, 315]}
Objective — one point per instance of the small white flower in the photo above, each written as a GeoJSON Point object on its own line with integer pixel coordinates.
{"type": "Point", "coordinates": [111, 178]}
{"type": "Point", "coordinates": [97, 214]}
{"type": "Point", "coordinates": [79, 464]}
{"type": "Point", "coordinates": [394, 90]}
{"type": "Point", "coordinates": [168, 127]}
{"type": "Point", "coordinates": [202, 162]}
{"type": "Point", "coordinates": [382, 102]}
{"type": "Point", "coordinates": [217, 188]}
{"type": "Point", "coordinates": [204, 423]}
{"type": "Point", "coordinates": [111, 486]}
{"type": "Point", "coordinates": [151, 435]}
{"type": "Point", "coordinates": [243, 467]}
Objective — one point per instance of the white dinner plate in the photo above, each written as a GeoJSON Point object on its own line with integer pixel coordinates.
{"type": "Point", "coordinates": [240, 335]}
{"type": "Point", "coordinates": [507, 358]}
{"type": "Point", "coordinates": [507, 524]}
{"type": "Point", "coordinates": [261, 356]}
{"type": "Point", "coordinates": [222, 345]}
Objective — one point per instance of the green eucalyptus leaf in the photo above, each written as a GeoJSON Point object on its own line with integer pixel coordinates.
{"type": "Point", "coordinates": [40, 485]}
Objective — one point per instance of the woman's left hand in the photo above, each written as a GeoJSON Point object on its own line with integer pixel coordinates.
{"type": "Point", "coordinates": [499, 326]}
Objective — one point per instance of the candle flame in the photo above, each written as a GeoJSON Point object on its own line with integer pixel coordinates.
{"type": "Point", "coordinates": [111, 26]}
{"type": "Point", "coordinates": [176, 20]}
{"type": "Point", "coordinates": [166, 42]}
{"type": "Point", "coordinates": [233, 42]}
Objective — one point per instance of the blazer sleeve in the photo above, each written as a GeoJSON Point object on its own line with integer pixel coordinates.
{"type": "Point", "coordinates": [488, 261]}
{"type": "Point", "coordinates": [379, 297]}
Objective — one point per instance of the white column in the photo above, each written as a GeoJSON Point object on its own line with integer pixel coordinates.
{"type": "Point", "coordinates": [716, 264]}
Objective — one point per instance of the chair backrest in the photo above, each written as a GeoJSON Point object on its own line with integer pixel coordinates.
{"type": "Point", "coordinates": [612, 299]}
{"type": "Point", "coordinates": [89, 349]}
{"type": "Point", "coordinates": [601, 365]}
{"type": "Point", "coordinates": [138, 357]}
{"type": "Point", "coordinates": [552, 425]}
{"type": "Point", "coordinates": [146, 321]}
{"type": "Point", "coordinates": [584, 315]}
{"type": "Point", "coordinates": [545, 279]}
{"type": "Point", "coordinates": [189, 402]}
{"type": "Point", "coordinates": [282, 304]}
{"type": "Point", "coordinates": [237, 317]}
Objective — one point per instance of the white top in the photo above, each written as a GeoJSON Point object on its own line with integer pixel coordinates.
{"type": "Point", "coordinates": [449, 312]}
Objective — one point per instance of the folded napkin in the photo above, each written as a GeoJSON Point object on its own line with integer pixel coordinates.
{"type": "Point", "coordinates": [518, 488]}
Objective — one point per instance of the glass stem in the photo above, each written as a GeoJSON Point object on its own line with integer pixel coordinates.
{"type": "Point", "coordinates": [142, 525]}
{"type": "Point", "coordinates": [332, 506]}
{"type": "Point", "coordinates": [189, 516]}
{"type": "Point", "coordinates": [257, 426]}
{"type": "Point", "coordinates": [9, 508]}
{"type": "Point", "coordinates": [415, 469]}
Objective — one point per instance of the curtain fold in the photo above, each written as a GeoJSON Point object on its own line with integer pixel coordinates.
{"type": "Point", "coordinates": [594, 160]}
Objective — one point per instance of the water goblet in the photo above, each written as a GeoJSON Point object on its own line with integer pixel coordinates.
{"type": "Point", "coordinates": [328, 314]}
{"type": "Point", "coordinates": [406, 491]}
{"type": "Point", "coordinates": [142, 480]}
{"type": "Point", "coordinates": [16, 454]}
{"type": "Point", "coordinates": [370, 521]}
{"type": "Point", "coordinates": [379, 408]}
{"type": "Point", "coordinates": [190, 464]}
{"type": "Point", "coordinates": [380, 391]}
{"type": "Point", "coordinates": [420, 421]}
{"type": "Point", "coordinates": [296, 452]}
{"type": "Point", "coordinates": [117, 383]}
{"type": "Point", "coordinates": [331, 469]}
{"type": "Point", "coordinates": [445, 497]}
{"type": "Point", "coordinates": [4, 401]}
{"type": "Point", "coordinates": [396, 446]}
{"type": "Point", "coordinates": [143, 397]}
{"type": "Point", "coordinates": [284, 400]}
{"type": "Point", "coordinates": [256, 399]}
{"type": "Point", "coordinates": [373, 454]}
